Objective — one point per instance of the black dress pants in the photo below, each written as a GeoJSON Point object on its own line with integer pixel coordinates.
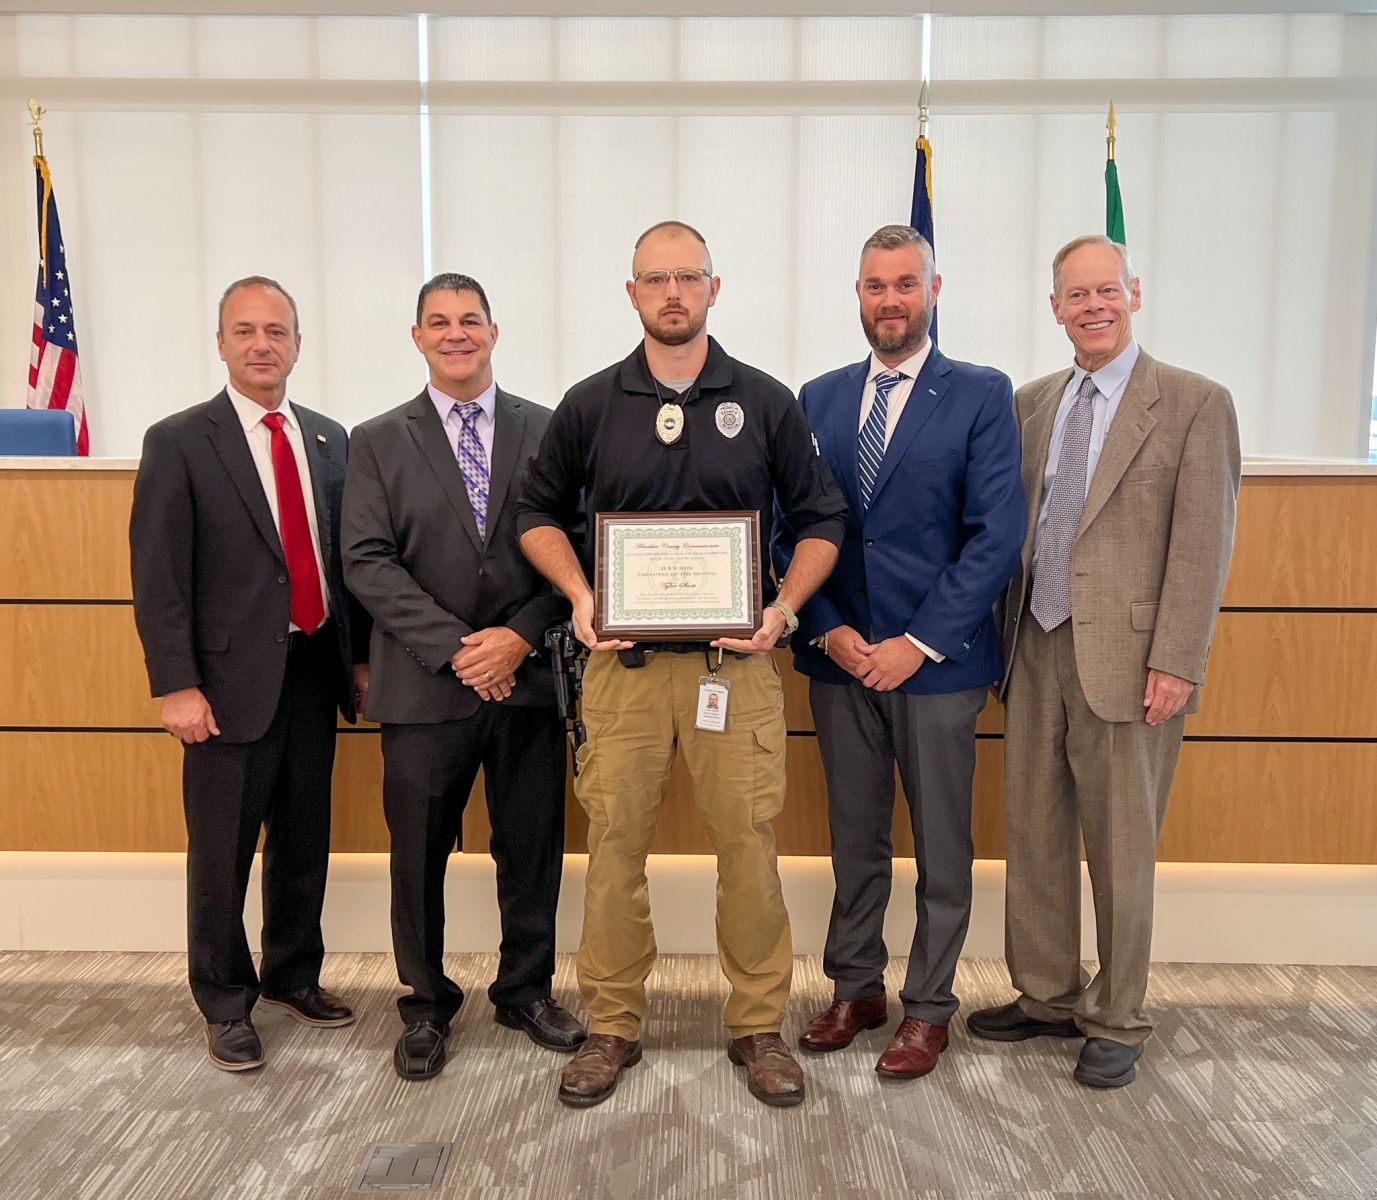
{"type": "Point", "coordinates": [280, 783]}
{"type": "Point", "coordinates": [428, 772]}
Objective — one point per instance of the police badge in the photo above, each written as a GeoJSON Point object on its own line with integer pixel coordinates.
{"type": "Point", "coordinates": [730, 419]}
{"type": "Point", "coordinates": [669, 423]}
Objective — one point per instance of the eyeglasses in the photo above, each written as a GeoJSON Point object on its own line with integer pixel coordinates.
{"type": "Point", "coordinates": [686, 277]}
{"type": "Point", "coordinates": [905, 287]}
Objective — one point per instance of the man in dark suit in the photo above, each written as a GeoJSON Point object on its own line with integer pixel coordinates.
{"type": "Point", "coordinates": [249, 640]}
{"type": "Point", "coordinates": [899, 644]}
{"type": "Point", "coordinates": [461, 676]}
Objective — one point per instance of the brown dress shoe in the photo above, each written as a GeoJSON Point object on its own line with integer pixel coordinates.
{"type": "Point", "coordinates": [914, 1050]}
{"type": "Point", "coordinates": [838, 1026]}
{"type": "Point", "coordinates": [591, 1075]}
{"type": "Point", "coordinates": [772, 1074]}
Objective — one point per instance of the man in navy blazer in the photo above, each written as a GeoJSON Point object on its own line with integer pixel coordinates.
{"type": "Point", "coordinates": [900, 644]}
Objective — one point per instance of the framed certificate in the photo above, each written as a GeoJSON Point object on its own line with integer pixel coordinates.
{"type": "Point", "coordinates": [677, 576]}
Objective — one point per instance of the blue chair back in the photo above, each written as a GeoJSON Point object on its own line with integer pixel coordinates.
{"type": "Point", "coordinates": [45, 431]}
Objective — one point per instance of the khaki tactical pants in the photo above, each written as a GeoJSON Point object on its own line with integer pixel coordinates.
{"type": "Point", "coordinates": [635, 719]}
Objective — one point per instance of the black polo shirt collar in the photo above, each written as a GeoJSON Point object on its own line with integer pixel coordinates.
{"type": "Point", "coordinates": [634, 373]}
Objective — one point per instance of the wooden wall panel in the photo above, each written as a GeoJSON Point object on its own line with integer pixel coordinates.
{"type": "Point", "coordinates": [1305, 542]}
{"type": "Point", "coordinates": [91, 791]}
{"type": "Point", "coordinates": [72, 664]}
{"type": "Point", "coordinates": [1306, 674]}
{"type": "Point", "coordinates": [1282, 802]}
{"type": "Point", "coordinates": [65, 534]}
{"type": "Point", "coordinates": [1233, 801]}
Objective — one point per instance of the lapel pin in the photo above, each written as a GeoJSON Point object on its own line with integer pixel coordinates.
{"type": "Point", "coordinates": [320, 437]}
{"type": "Point", "coordinates": [931, 392]}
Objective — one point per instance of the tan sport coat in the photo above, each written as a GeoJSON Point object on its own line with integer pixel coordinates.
{"type": "Point", "coordinates": [1152, 550]}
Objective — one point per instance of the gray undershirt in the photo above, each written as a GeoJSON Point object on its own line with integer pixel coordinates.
{"type": "Point", "coordinates": [678, 386]}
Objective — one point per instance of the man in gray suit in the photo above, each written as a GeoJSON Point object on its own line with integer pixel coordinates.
{"type": "Point", "coordinates": [1131, 469]}
{"type": "Point", "coordinates": [460, 676]}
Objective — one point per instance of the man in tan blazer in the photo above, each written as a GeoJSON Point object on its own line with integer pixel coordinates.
{"type": "Point", "coordinates": [1131, 469]}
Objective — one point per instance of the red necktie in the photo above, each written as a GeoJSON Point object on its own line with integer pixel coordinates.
{"type": "Point", "coordinates": [307, 606]}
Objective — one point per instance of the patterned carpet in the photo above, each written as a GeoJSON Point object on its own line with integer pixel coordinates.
{"type": "Point", "coordinates": [1261, 1083]}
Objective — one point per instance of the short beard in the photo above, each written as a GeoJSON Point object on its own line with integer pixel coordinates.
{"type": "Point", "coordinates": [677, 335]}
{"type": "Point", "coordinates": [912, 336]}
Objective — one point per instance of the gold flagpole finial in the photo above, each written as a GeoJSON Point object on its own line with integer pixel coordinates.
{"type": "Point", "coordinates": [1110, 125]}
{"type": "Point", "coordinates": [923, 110]}
{"type": "Point", "coordinates": [36, 114]}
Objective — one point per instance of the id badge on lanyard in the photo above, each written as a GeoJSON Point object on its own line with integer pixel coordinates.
{"type": "Point", "coordinates": [713, 695]}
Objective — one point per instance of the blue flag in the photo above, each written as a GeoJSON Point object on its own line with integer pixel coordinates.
{"type": "Point", "coordinates": [921, 217]}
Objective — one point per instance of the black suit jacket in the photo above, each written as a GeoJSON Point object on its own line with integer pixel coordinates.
{"type": "Point", "coordinates": [212, 599]}
{"type": "Point", "coordinates": [413, 557]}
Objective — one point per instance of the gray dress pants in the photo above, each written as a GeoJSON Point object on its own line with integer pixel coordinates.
{"type": "Point", "coordinates": [862, 734]}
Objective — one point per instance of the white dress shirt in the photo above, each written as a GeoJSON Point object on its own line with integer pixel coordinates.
{"type": "Point", "coordinates": [1110, 382]}
{"type": "Point", "coordinates": [898, 394]}
{"type": "Point", "coordinates": [259, 437]}
{"type": "Point", "coordinates": [898, 397]}
{"type": "Point", "coordinates": [454, 423]}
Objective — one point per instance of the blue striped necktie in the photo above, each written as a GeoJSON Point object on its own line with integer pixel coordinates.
{"type": "Point", "coordinates": [870, 451]}
{"type": "Point", "coordinates": [473, 463]}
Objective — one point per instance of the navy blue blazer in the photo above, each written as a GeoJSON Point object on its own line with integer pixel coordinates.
{"type": "Point", "coordinates": [944, 530]}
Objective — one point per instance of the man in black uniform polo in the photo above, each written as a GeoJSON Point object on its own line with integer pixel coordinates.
{"type": "Point", "coordinates": [680, 426]}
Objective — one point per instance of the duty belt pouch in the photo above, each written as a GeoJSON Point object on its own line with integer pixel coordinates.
{"type": "Point", "coordinates": [631, 659]}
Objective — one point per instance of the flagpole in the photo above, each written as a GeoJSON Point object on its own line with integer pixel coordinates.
{"type": "Point", "coordinates": [36, 114]}
{"type": "Point", "coordinates": [1113, 198]}
{"type": "Point", "coordinates": [920, 214]}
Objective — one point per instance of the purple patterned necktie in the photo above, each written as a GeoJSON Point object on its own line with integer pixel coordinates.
{"type": "Point", "coordinates": [473, 463]}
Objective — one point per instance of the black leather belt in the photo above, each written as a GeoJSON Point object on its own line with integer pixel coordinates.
{"type": "Point", "coordinates": [635, 657]}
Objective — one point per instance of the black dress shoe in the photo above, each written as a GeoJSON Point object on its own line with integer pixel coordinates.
{"type": "Point", "coordinates": [546, 1023]}
{"type": "Point", "coordinates": [420, 1051]}
{"type": "Point", "coordinates": [234, 1045]}
{"type": "Point", "coordinates": [1107, 1064]}
{"type": "Point", "coordinates": [313, 1006]}
{"type": "Point", "coordinates": [1009, 1023]}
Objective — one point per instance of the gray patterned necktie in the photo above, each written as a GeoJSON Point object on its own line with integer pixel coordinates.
{"type": "Point", "coordinates": [473, 463]}
{"type": "Point", "coordinates": [870, 448]}
{"type": "Point", "coordinates": [1051, 603]}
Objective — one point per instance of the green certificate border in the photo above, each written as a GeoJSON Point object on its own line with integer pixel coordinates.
{"type": "Point", "coordinates": [621, 615]}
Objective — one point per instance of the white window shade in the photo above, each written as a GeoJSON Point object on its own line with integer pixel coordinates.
{"type": "Point", "coordinates": [161, 209]}
{"type": "Point", "coordinates": [188, 150]}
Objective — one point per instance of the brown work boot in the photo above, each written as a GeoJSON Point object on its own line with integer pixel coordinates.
{"type": "Point", "coordinates": [772, 1074]}
{"type": "Point", "coordinates": [591, 1075]}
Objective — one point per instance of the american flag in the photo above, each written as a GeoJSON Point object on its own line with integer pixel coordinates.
{"type": "Point", "coordinates": [54, 370]}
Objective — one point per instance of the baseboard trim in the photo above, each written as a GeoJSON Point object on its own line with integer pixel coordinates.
{"type": "Point", "coordinates": [1206, 912]}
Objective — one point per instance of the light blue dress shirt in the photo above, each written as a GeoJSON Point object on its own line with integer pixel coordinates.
{"type": "Point", "coordinates": [1110, 381]}
{"type": "Point", "coordinates": [453, 422]}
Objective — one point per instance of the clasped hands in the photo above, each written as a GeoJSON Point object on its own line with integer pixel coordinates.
{"type": "Point", "coordinates": [487, 660]}
{"type": "Point", "coordinates": [883, 666]}
{"type": "Point", "coordinates": [887, 664]}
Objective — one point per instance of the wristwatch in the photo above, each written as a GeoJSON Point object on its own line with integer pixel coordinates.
{"type": "Point", "coordinates": [790, 621]}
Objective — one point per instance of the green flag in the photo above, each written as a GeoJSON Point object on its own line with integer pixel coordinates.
{"type": "Point", "coordinates": [1113, 204]}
